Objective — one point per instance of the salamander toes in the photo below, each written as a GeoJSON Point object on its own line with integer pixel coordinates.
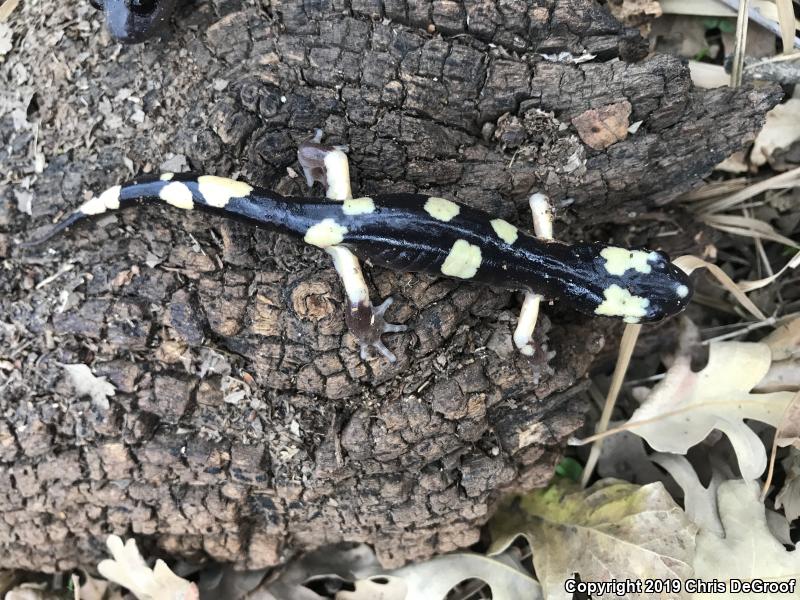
{"type": "Point", "coordinates": [380, 347]}
{"type": "Point", "coordinates": [371, 336]}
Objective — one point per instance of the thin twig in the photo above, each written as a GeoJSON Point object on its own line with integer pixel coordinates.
{"type": "Point", "coordinates": [742, 331]}
{"type": "Point", "coordinates": [47, 280]}
{"type": "Point", "coordinates": [773, 59]}
{"type": "Point", "coordinates": [742, 21]}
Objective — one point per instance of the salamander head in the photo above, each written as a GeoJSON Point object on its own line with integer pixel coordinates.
{"type": "Point", "coordinates": [638, 286]}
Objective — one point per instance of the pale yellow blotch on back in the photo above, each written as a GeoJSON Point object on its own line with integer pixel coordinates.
{"type": "Point", "coordinates": [178, 195]}
{"type": "Point", "coordinates": [218, 191]}
{"type": "Point", "coordinates": [505, 230]}
{"type": "Point", "coordinates": [325, 233]}
{"type": "Point", "coordinates": [108, 200]}
{"type": "Point", "coordinates": [619, 302]}
{"type": "Point", "coordinates": [463, 260]}
{"type": "Point", "coordinates": [167, 176]}
{"type": "Point", "coordinates": [358, 206]}
{"type": "Point", "coordinates": [619, 260]}
{"type": "Point", "coordinates": [441, 209]}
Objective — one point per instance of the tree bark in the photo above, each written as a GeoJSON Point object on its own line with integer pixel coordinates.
{"type": "Point", "coordinates": [245, 427]}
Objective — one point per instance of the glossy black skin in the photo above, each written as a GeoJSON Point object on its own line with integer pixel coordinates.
{"type": "Point", "coordinates": [402, 236]}
{"type": "Point", "coordinates": [134, 21]}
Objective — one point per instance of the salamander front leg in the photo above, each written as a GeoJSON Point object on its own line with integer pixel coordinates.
{"type": "Point", "coordinates": [365, 321]}
{"type": "Point", "coordinates": [326, 164]}
{"type": "Point", "coordinates": [529, 314]}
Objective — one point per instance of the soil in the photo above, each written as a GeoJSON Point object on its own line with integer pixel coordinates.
{"type": "Point", "coordinates": [244, 427]}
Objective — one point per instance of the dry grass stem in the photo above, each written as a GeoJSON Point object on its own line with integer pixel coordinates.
{"type": "Point", "coordinates": [626, 346]}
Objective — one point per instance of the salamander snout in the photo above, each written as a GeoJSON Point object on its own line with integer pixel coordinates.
{"type": "Point", "coordinates": [639, 286]}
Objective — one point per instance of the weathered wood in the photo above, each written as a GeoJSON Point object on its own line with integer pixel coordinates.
{"type": "Point", "coordinates": [245, 427]}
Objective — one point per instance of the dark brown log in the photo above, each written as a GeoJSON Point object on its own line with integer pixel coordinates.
{"type": "Point", "coordinates": [245, 427]}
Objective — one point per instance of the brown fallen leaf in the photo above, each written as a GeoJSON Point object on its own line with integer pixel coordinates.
{"type": "Point", "coordinates": [685, 406]}
{"type": "Point", "coordinates": [599, 128]}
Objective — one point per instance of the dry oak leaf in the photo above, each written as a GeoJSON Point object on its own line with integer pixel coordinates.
{"type": "Point", "coordinates": [686, 406]}
{"type": "Point", "coordinates": [698, 501]}
{"type": "Point", "coordinates": [623, 456]}
{"type": "Point", "coordinates": [435, 578]}
{"type": "Point", "coordinates": [748, 551]}
{"type": "Point", "coordinates": [599, 128]}
{"type": "Point", "coordinates": [129, 570]}
{"type": "Point", "coordinates": [612, 530]}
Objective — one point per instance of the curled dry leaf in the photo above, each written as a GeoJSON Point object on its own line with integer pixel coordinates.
{"type": "Point", "coordinates": [129, 570]}
{"type": "Point", "coordinates": [685, 406]}
{"type": "Point", "coordinates": [612, 530]}
{"type": "Point", "coordinates": [748, 551]}
{"type": "Point", "coordinates": [690, 263]}
{"type": "Point", "coordinates": [749, 286]}
{"type": "Point", "coordinates": [780, 131]}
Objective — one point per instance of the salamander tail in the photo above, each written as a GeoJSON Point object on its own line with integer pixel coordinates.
{"type": "Point", "coordinates": [108, 200]}
{"type": "Point", "coordinates": [62, 225]}
{"type": "Point", "coordinates": [186, 191]}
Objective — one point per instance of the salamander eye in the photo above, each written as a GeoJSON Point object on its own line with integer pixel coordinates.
{"type": "Point", "coordinates": [142, 7]}
{"type": "Point", "coordinates": [98, 4]}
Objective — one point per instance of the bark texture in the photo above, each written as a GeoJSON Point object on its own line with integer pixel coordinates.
{"type": "Point", "coordinates": [245, 427]}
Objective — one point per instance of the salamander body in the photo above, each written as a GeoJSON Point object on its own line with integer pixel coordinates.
{"type": "Point", "coordinates": [418, 233]}
{"type": "Point", "coordinates": [134, 21]}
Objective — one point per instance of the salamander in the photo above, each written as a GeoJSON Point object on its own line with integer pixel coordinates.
{"type": "Point", "coordinates": [134, 21]}
{"type": "Point", "coordinates": [420, 233]}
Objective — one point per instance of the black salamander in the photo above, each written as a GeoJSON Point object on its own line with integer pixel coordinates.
{"type": "Point", "coordinates": [134, 21]}
{"type": "Point", "coordinates": [420, 233]}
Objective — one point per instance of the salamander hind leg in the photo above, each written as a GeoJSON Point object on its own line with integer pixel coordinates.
{"type": "Point", "coordinates": [365, 321]}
